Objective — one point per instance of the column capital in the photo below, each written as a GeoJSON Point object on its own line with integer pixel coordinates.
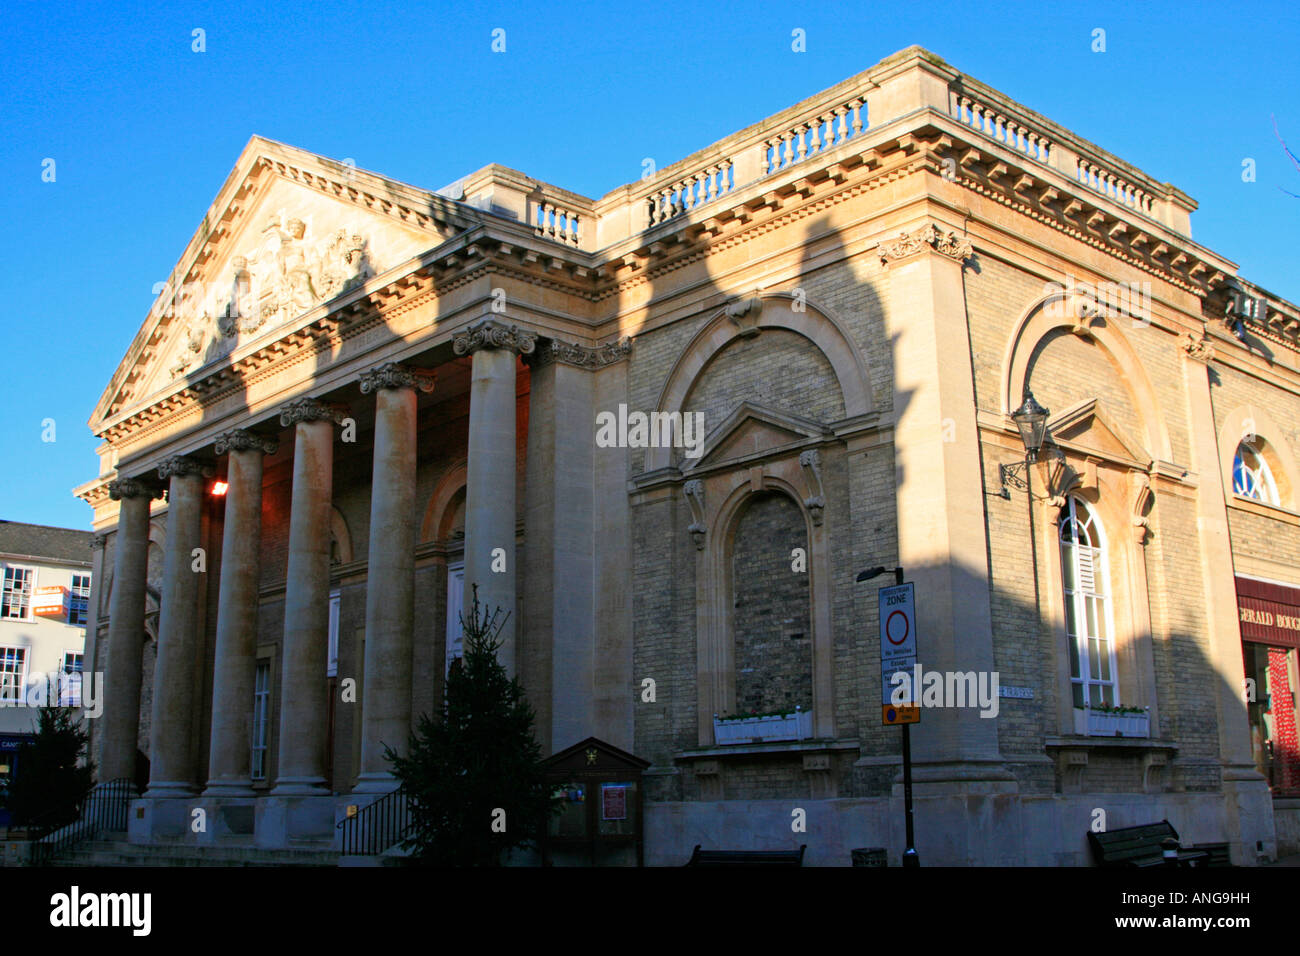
{"type": "Point", "coordinates": [241, 439]}
{"type": "Point", "coordinates": [396, 375]}
{"type": "Point", "coordinates": [120, 488]}
{"type": "Point", "coordinates": [583, 356]}
{"type": "Point", "coordinates": [98, 542]}
{"type": "Point", "coordinates": [491, 334]}
{"type": "Point", "coordinates": [181, 466]}
{"type": "Point", "coordinates": [1198, 348]}
{"type": "Point", "coordinates": [930, 237]}
{"type": "Point", "coordinates": [311, 410]}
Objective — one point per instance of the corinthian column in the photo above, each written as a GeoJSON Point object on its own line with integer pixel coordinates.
{"type": "Point", "coordinates": [390, 572]}
{"type": "Point", "coordinates": [172, 763]}
{"type": "Point", "coordinates": [490, 472]}
{"type": "Point", "coordinates": [303, 711]}
{"type": "Point", "coordinates": [123, 660]}
{"type": "Point", "coordinates": [235, 665]}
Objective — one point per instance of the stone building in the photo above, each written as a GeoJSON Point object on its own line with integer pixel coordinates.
{"type": "Point", "coordinates": [362, 398]}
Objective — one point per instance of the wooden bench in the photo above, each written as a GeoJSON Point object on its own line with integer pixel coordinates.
{"type": "Point", "coordinates": [1141, 846]}
{"type": "Point", "coordinates": [747, 857]}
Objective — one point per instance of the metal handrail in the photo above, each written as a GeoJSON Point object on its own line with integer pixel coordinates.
{"type": "Point", "coordinates": [377, 827]}
{"type": "Point", "coordinates": [103, 808]}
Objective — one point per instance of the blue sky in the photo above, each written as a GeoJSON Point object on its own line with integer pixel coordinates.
{"type": "Point", "coordinates": [144, 130]}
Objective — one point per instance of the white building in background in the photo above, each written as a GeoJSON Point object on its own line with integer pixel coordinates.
{"type": "Point", "coordinates": [43, 607]}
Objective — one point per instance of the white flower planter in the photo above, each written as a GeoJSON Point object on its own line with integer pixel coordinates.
{"type": "Point", "coordinates": [1093, 723]}
{"type": "Point", "coordinates": [750, 730]}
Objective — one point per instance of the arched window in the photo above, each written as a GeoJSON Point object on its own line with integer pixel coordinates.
{"type": "Point", "coordinates": [1251, 477]}
{"type": "Point", "coordinates": [1087, 608]}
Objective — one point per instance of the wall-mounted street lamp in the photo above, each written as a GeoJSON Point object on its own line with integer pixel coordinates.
{"type": "Point", "coordinates": [876, 572]}
{"type": "Point", "coordinates": [1031, 420]}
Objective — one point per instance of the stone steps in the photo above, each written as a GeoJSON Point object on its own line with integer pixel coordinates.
{"type": "Point", "coordinates": [122, 853]}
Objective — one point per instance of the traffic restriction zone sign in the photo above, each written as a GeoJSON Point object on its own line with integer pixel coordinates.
{"type": "Point", "coordinates": [898, 652]}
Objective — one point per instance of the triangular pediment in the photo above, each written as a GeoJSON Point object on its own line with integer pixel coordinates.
{"type": "Point", "coordinates": [289, 231]}
{"type": "Point", "coordinates": [1086, 426]}
{"type": "Point", "coordinates": [753, 429]}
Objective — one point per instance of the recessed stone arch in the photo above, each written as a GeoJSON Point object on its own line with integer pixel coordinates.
{"type": "Point", "coordinates": [776, 312]}
{"type": "Point", "coordinates": [443, 498]}
{"type": "Point", "coordinates": [1061, 310]}
{"type": "Point", "coordinates": [341, 537]}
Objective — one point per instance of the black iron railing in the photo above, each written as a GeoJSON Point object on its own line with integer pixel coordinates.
{"type": "Point", "coordinates": [103, 809]}
{"type": "Point", "coordinates": [377, 827]}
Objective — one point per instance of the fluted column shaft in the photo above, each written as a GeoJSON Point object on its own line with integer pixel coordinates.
{"type": "Point", "coordinates": [123, 660]}
{"type": "Point", "coordinates": [172, 759]}
{"type": "Point", "coordinates": [490, 473]}
{"type": "Point", "coordinates": [236, 647]}
{"type": "Point", "coordinates": [303, 711]}
{"type": "Point", "coordinates": [390, 574]}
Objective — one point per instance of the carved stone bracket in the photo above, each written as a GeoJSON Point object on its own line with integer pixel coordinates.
{"type": "Point", "coordinates": [120, 488]}
{"type": "Point", "coordinates": [745, 314]}
{"type": "Point", "coordinates": [1071, 765]}
{"type": "Point", "coordinates": [182, 466]}
{"type": "Point", "coordinates": [928, 236]}
{"type": "Point", "coordinates": [490, 334]}
{"type": "Point", "coordinates": [311, 410]}
{"type": "Point", "coordinates": [1199, 348]}
{"type": "Point", "coordinates": [811, 462]}
{"type": "Point", "coordinates": [584, 357]}
{"type": "Point", "coordinates": [694, 490]}
{"type": "Point", "coordinates": [396, 375]}
{"type": "Point", "coordinates": [241, 439]}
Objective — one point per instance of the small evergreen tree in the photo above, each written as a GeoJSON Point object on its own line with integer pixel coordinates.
{"type": "Point", "coordinates": [49, 783]}
{"type": "Point", "coordinates": [475, 777]}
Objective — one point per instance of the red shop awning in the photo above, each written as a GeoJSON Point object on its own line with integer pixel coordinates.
{"type": "Point", "coordinates": [1268, 613]}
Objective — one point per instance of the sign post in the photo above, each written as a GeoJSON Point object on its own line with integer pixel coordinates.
{"type": "Point", "coordinates": [898, 654]}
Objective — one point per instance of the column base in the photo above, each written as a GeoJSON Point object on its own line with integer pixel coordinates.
{"type": "Point", "coordinates": [235, 787]}
{"type": "Point", "coordinates": [300, 787]}
{"type": "Point", "coordinates": [376, 782]}
{"type": "Point", "coordinates": [169, 789]}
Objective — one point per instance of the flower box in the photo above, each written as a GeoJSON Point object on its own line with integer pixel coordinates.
{"type": "Point", "coordinates": [1101, 723]}
{"type": "Point", "coordinates": [751, 730]}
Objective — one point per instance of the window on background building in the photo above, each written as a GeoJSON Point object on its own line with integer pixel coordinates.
{"type": "Point", "coordinates": [1251, 477]}
{"type": "Point", "coordinates": [13, 666]}
{"type": "Point", "coordinates": [17, 598]}
{"type": "Point", "coordinates": [79, 602]}
{"type": "Point", "coordinates": [70, 690]}
{"type": "Point", "coordinates": [332, 661]}
{"type": "Point", "coordinates": [1087, 614]}
{"type": "Point", "coordinates": [261, 717]}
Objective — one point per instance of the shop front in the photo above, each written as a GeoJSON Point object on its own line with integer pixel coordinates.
{"type": "Point", "coordinates": [1269, 616]}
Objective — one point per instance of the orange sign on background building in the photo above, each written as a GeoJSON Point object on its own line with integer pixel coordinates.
{"type": "Point", "coordinates": [51, 602]}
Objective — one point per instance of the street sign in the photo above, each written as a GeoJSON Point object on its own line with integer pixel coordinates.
{"type": "Point", "coordinates": [898, 653]}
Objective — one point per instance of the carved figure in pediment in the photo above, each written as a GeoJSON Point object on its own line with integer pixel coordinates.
{"type": "Point", "coordinates": [341, 264]}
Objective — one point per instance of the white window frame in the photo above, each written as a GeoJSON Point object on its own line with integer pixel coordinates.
{"type": "Point", "coordinates": [260, 729]}
{"type": "Point", "coordinates": [332, 662]}
{"type": "Point", "coordinates": [70, 687]}
{"type": "Point", "coordinates": [31, 592]}
{"type": "Point", "coordinates": [1257, 483]}
{"type": "Point", "coordinates": [79, 601]}
{"type": "Point", "coordinates": [455, 608]}
{"type": "Point", "coordinates": [11, 653]}
{"type": "Point", "coordinates": [1076, 558]}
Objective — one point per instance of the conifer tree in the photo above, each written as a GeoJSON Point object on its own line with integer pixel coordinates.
{"type": "Point", "coordinates": [49, 784]}
{"type": "Point", "coordinates": [474, 777]}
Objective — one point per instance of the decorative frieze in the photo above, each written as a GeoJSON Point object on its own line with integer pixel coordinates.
{"type": "Point", "coordinates": [928, 236]}
{"type": "Point", "coordinates": [490, 334]}
{"type": "Point", "coordinates": [241, 439]}
{"type": "Point", "coordinates": [592, 358]}
{"type": "Point", "coordinates": [310, 410]}
{"type": "Point", "coordinates": [396, 375]}
{"type": "Point", "coordinates": [120, 488]}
